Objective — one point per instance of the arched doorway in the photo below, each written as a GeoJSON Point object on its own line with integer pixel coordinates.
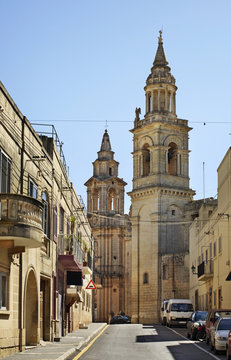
{"type": "Point", "coordinates": [31, 310]}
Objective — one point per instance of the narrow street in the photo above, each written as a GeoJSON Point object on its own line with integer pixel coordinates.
{"type": "Point", "coordinates": [146, 342]}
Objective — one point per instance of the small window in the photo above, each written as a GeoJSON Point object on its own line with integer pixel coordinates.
{"type": "Point", "coordinates": [219, 245]}
{"type": "Point", "coordinates": [3, 291]}
{"type": "Point", "coordinates": [33, 189]}
{"type": "Point", "coordinates": [214, 298]}
{"type": "Point", "coordinates": [145, 278]}
{"type": "Point", "coordinates": [61, 220]}
{"type": "Point", "coordinates": [173, 212]}
{"type": "Point", "coordinates": [45, 215]}
{"type": "Point", "coordinates": [5, 173]}
{"type": "Point", "coordinates": [110, 171]}
{"type": "Point", "coordinates": [214, 249]}
{"type": "Point", "coordinates": [55, 222]}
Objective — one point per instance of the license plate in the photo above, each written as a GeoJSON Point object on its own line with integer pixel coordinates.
{"type": "Point", "coordinates": [182, 322]}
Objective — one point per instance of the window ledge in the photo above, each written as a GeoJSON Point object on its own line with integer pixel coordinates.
{"type": "Point", "coordinates": [5, 312]}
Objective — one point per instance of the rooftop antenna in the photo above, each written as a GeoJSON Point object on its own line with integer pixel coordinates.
{"type": "Point", "coordinates": [106, 125]}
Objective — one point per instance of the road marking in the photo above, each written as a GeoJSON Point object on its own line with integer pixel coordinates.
{"type": "Point", "coordinates": [90, 344]}
{"type": "Point", "coordinates": [192, 342]}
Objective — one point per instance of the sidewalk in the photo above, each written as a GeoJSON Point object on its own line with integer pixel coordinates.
{"type": "Point", "coordinates": [67, 346]}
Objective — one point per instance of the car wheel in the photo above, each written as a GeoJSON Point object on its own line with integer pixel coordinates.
{"type": "Point", "coordinates": [193, 335]}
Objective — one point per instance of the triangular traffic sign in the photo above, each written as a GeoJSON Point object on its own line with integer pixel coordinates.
{"type": "Point", "coordinates": [91, 285]}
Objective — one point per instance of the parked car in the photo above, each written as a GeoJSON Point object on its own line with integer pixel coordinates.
{"type": "Point", "coordinates": [178, 311]}
{"type": "Point", "coordinates": [196, 325]}
{"type": "Point", "coordinates": [219, 334]}
{"type": "Point", "coordinates": [163, 313]}
{"type": "Point", "coordinates": [120, 319]}
{"type": "Point", "coordinates": [212, 316]}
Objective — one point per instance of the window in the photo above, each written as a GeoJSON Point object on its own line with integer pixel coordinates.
{"type": "Point", "coordinates": [214, 298]}
{"type": "Point", "coordinates": [55, 222]}
{"type": "Point", "coordinates": [33, 189]}
{"type": "Point", "coordinates": [214, 249]}
{"type": "Point", "coordinates": [206, 256]}
{"type": "Point", "coordinates": [219, 245]}
{"type": "Point", "coordinates": [145, 278]}
{"type": "Point", "coordinates": [3, 291]}
{"type": "Point", "coordinates": [61, 220]}
{"type": "Point", "coordinates": [173, 212]}
{"type": "Point", "coordinates": [45, 215]}
{"type": "Point", "coordinates": [110, 171]}
{"type": "Point", "coordinates": [5, 173]}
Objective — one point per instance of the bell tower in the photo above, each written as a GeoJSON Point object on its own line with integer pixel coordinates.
{"type": "Point", "coordinates": [111, 230]}
{"type": "Point", "coordinates": [159, 196]}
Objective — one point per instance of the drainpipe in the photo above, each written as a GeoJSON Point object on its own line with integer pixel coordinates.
{"type": "Point", "coordinates": [20, 300]}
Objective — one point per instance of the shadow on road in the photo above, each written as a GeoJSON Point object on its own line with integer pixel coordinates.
{"type": "Point", "coordinates": [157, 333]}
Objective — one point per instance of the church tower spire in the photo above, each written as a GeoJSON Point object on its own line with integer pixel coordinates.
{"type": "Point", "coordinates": [160, 89]}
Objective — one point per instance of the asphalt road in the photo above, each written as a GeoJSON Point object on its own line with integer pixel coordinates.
{"type": "Point", "coordinates": [146, 342]}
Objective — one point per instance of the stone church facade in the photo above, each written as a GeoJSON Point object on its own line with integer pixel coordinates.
{"type": "Point", "coordinates": [155, 255]}
{"type": "Point", "coordinates": [112, 234]}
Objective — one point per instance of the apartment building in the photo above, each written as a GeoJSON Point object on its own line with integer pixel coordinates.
{"type": "Point", "coordinates": [210, 246]}
{"type": "Point", "coordinates": [46, 244]}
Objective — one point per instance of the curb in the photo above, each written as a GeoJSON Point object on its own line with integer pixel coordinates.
{"type": "Point", "coordinates": [72, 350]}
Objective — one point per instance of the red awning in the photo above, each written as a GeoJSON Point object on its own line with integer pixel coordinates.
{"type": "Point", "coordinates": [70, 262]}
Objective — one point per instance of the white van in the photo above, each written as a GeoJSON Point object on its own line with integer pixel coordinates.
{"type": "Point", "coordinates": [163, 313]}
{"type": "Point", "coordinates": [178, 311]}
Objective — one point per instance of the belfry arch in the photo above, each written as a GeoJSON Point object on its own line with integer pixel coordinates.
{"type": "Point", "coordinates": [172, 158]}
{"type": "Point", "coordinates": [145, 160]}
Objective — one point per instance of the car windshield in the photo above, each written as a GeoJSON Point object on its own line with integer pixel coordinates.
{"type": "Point", "coordinates": [181, 307]}
{"type": "Point", "coordinates": [224, 324]}
{"type": "Point", "coordinates": [201, 315]}
{"type": "Point", "coordinates": [165, 305]}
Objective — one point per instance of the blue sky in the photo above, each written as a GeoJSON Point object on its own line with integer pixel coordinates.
{"type": "Point", "coordinates": [89, 60]}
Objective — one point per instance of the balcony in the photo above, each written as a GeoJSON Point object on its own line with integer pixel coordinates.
{"type": "Point", "coordinates": [87, 265]}
{"type": "Point", "coordinates": [20, 221]}
{"type": "Point", "coordinates": [205, 271]}
{"type": "Point", "coordinates": [70, 252]}
{"type": "Point", "coordinates": [110, 270]}
{"type": "Point", "coordinates": [73, 293]}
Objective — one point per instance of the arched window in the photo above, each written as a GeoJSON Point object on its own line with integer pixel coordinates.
{"type": "Point", "coordinates": [172, 159]}
{"type": "Point", "coordinates": [45, 214]}
{"type": "Point", "coordinates": [96, 200]}
{"type": "Point", "coordinates": [112, 200]}
{"type": "Point", "coordinates": [146, 160]}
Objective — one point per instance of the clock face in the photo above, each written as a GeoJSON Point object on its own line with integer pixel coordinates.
{"type": "Point", "coordinates": [94, 220]}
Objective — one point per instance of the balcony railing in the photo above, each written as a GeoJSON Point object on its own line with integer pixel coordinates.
{"type": "Point", "coordinates": [205, 270]}
{"type": "Point", "coordinates": [69, 245]}
{"type": "Point", "coordinates": [87, 265]}
{"type": "Point", "coordinates": [110, 270]}
{"type": "Point", "coordinates": [21, 220]}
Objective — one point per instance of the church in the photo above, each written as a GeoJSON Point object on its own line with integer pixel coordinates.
{"type": "Point", "coordinates": [143, 258]}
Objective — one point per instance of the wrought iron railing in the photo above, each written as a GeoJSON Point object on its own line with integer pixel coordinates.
{"type": "Point", "coordinates": [69, 245]}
